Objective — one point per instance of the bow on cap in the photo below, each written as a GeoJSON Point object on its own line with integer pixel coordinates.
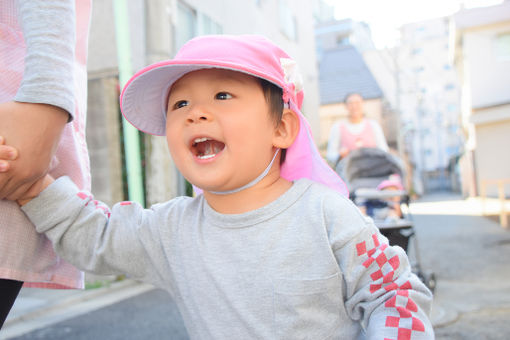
{"type": "Point", "coordinates": [293, 89]}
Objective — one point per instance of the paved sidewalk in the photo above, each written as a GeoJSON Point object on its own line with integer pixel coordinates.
{"type": "Point", "coordinates": [468, 253]}
{"type": "Point", "coordinates": [38, 308]}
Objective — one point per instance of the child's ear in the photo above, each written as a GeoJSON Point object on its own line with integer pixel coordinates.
{"type": "Point", "coordinates": [287, 131]}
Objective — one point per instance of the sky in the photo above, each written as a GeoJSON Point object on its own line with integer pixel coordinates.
{"type": "Point", "coordinates": [386, 16]}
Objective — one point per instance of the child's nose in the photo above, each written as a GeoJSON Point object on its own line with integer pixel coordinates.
{"type": "Point", "coordinates": [198, 114]}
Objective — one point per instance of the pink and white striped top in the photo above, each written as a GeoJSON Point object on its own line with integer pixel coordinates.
{"type": "Point", "coordinates": [26, 255]}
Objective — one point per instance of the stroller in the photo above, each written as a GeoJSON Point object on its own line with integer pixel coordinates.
{"type": "Point", "coordinates": [375, 180]}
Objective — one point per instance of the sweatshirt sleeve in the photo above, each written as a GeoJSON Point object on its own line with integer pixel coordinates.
{"type": "Point", "coordinates": [49, 30]}
{"type": "Point", "coordinates": [85, 232]}
{"type": "Point", "coordinates": [381, 292]}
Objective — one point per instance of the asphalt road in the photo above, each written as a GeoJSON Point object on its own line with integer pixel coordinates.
{"type": "Point", "coordinates": [151, 315]}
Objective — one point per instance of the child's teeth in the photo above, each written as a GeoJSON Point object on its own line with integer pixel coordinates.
{"type": "Point", "coordinates": [199, 140]}
{"type": "Point", "coordinates": [207, 156]}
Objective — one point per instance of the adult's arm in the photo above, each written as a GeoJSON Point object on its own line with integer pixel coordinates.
{"type": "Point", "coordinates": [44, 103]}
{"type": "Point", "coordinates": [380, 140]}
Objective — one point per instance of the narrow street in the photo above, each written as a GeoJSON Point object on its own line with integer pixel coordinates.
{"type": "Point", "coordinates": [469, 255]}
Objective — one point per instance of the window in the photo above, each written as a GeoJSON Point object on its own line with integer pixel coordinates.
{"type": "Point", "coordinates": [190, 24]}
{"type": "Point", "coordinates": [502, 46]}
{"type": "Point", "coordinates": [342, 40]}
{"type": "Point", "coordinates": [419, 69]}
{"type": "Point", "coordinates": [187, 23]}
{"type": "Point", "coordinates": [208, 26]}
{"type": "Point", "coordinates": [417, 51]}
{"type": "Point", "coordinates": [449, 87]}
{"type": "Point", "coordinates": [451, 107]}
{"type": "Point", "coordinates": [287, 20]}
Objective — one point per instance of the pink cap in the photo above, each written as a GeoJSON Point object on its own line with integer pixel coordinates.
{"type": "Point", "coordinates": [144, 98]}
{"type": "Point", "coordinates": [392, 181]}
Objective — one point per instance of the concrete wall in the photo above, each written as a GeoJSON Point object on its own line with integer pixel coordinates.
{"type": "Point", "coordinates": [485, 95]}
{"type": "Point", "coordinates": [335, 33]}
{"type": "Point", "coordinates": [486, 70]}
{"type": "Point", "coordinates": [103, 139]}
{"type": "Point", "coordinates": [102, 45]}
{"type": "Point", "coordinates": [492, 139]}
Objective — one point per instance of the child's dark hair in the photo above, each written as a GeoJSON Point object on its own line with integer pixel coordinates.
{"type": "Point", "coordinates": [273, 95]}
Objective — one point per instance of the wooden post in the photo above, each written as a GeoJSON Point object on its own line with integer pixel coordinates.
{"type": "Point", "coordinates": [483, 193]}
{"type": "Point", "coordinates": [500, 183]}
{"type": "Point", "coordinates": [502, 215]}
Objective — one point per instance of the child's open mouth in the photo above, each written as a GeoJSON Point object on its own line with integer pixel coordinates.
{"type": "Point", "coordinates": [205, 148]}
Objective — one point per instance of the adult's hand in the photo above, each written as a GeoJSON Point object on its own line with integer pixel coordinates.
{"type": "Point", "coordinates": [34, 130]}
{"type": "Point", "coordinates": [344, 152]}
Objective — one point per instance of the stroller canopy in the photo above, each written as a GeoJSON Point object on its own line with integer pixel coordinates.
{"type": "Point", "coordinates": [367, 167]}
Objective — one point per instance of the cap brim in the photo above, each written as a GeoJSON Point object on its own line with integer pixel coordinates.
{"type": "Point", "coordinates": [143, 100]}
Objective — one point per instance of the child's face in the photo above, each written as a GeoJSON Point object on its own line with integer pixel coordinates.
{"type": "Point", "coordinates": [219, 130]}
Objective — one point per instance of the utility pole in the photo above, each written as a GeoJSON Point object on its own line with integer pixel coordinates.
{"type": "Point", "coordinates": [131, 135]}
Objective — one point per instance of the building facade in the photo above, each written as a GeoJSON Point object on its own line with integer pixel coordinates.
{"type": "Point", "coordinates": [482, 57]}
{"type": "Point", "coordinates": [429, 103]}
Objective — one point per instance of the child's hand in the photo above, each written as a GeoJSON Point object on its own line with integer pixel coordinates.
{"type": "Point", "coordinates": [7, 153]}
{"type": "Point", "coordinates": [35, 189]}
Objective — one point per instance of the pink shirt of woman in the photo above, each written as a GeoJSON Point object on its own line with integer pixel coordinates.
{"type": "Point", "coordinates": [364, 139]}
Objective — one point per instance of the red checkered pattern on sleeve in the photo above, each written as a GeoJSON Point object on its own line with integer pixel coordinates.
{"type": "Point", "coordinates": [98, 205]}
{"type": "Point", "coordinates": [401, 305]}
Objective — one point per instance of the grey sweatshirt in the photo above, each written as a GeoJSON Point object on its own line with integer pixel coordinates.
{"type": "Point", "coordinates": [306, 266]}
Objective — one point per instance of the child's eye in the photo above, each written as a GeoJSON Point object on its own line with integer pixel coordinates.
{"type": "Point", "coordinates": [223, 95]}
{"type": "Point", "coordinates": [180, 103]}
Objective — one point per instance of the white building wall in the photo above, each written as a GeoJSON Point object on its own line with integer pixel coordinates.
{"type": "Point", "coordinates": [490, 74]}
{"type": "Point", "coordinates": [482, 55]}
{"type": "Point", "coordinates": [102, 54]}
{"type": "Point", "coordinates": [335, 33]}
{"type": "Point", "coordinates": [429, 97]}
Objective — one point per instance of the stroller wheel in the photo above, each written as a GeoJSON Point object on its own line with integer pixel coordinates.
{"type": "Point", "coordinates": [429, 280]}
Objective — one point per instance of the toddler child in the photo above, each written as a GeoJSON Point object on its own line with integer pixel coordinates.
{"type": "Point", "coordinates": [393, 184]}
{"type": "Point", "coordinates": [272, 248]}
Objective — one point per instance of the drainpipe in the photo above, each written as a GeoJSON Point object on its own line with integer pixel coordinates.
{"type": "Point", "coordinates": [131, 136]}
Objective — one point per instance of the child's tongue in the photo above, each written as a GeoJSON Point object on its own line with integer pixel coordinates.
{"type": "Point", "coordinates": [209, 147]}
